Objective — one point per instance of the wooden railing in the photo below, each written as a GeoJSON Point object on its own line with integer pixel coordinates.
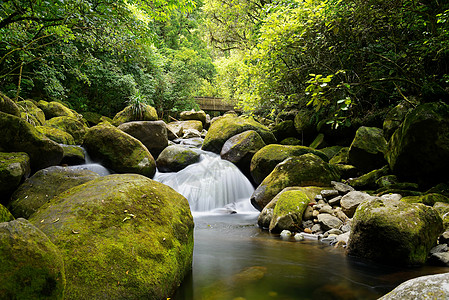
{"type": "Point", "coordinates": [215, 104]}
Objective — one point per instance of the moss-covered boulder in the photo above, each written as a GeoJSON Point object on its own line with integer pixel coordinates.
{"type": "Point", "coordinates": [55, 109]}
{"type": "Point", "coordinates": [123, 236]}
{"type": "Point", "coordinates": [152, 134]}
{"type": "Point", "coordinates": [291, 141]}
{"type": "Point", "coordinates": [5, 215]}
{"type": "Point", "coordinates": [43, 186]}
{"type": "Point", "coordinates": [174, 158]}
{"type": "Point", "coordinates": [193, 115]}
{"type": "Point", "coordinates": [341, 157]}
{"type": "Point", "coordinates": [73, 155]}
{"type": "Point", "coordinates": [144, 112]}
{"type": "Point", "coordinates": [31, 113]}
{"type": "Point", "coordinates": [8, 106]}
{"type": "Point", "coordinates": [266, 159]}
{"type": "Point", "coordinates": [57, 135]}
{"type": "Point", "coordinates": [92, 118]}
{"type": "Point", "coordinates": [394, 118]}
{"type": "Point", "coordinates": [418, 150]}
{"type": "Point", "coordinates": [424, 287]}
{"type": "Point", "coordinates": [20, 136]}
{"type": "Point", "coordinates": [241, 148]}
{"type": "Point", "coordinates": [443, 209]}
{"type": "Point", "coordinates": [369, 180]}
{"type": "Point", "coordinates": [14, 168]}
{"type": "Point", "coordinates": [191, 124]}
{"type": "Point", "coordinates": [229, 125]}
{"type": "Point", "coordinates": [367, 149]}
{"type": "Point", "coordinates": [266, 215]}
{"type": "Point", "coordinates": [284, 129]}
{"type": "Point", "coordinates": [427, 199]}
{"type": "Point", "coordinates": [31, 267]}
{"type": "Point", "coordinates": [304, 170]}
{"type": "Point", "coordinates": [72, 126]}
{"type": "Point", "coordinates": [174, 130]}
{"type": "Point", "coordinates": [118, 150]}
{"type": "Point", "coordinates": [331, 151]}
{"type": "Point", "coordinates": [287, 214]}
{"type": "Point", "coordinates": [394, 232]}
{"type": "Point", "coordinates": [305, 125]}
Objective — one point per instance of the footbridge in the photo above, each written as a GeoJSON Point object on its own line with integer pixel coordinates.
{"type": "Point", "coordinates": [216, 104]}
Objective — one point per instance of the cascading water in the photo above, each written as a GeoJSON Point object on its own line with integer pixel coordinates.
{"type": "Point", "coordinates": [91, 166]}
{"type": "Point", "coordinates": [210, 184]}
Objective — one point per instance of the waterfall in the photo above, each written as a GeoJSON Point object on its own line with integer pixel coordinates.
{"type": "Point", "coordinates": [91, 166]}
{"type": "Point", "coordinates": [210, 184]}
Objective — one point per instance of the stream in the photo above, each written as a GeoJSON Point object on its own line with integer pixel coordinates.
{"type": "Point", "coordinates": [235, 259]}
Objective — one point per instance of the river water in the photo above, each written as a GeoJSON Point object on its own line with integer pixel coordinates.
{"type": "Point", "coordinates": [234, 259]}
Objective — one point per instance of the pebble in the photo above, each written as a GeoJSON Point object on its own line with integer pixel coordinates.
{"type": "Point", "coordinates": [439, 248]}
{"type": "Point", "coordinates": [335, 201]}
{"type": "Point", "coordinates": [308, 230]}
{"type": "Point", "coordinates": [342, 188]}
{"type": "Point", "coordinates": [329, 193]}
{"type": "Point", "coordinates": [316, 228]}
{"type": "Point", "coordinates": [299, 237]}
{"type": "Point", "coordinates": [286, 234]}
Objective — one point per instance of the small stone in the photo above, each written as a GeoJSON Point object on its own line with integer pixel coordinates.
{"type": "Point", "coordinates": [308, 230]}
{"type": "Point", "coordinates": [307, 224]}
{"type": "Point", "coordinates": [395, 197]}
{"type": "Point", "coordinates": [439, 248]}
{"type": "Point", "coordinates": [341, 215]}
{"type": "Point", "coordinates": [332, 231]}
{"type": "Point", "coordinates": [315, 213]}
{"type": "Point", "coordinates": [308, 213]}
{"type": "Point", "coordinates": [343, 238]}
{"type": "Point", "coordinates": [299, 237]}
{"type": "Point", "coordinates": [286, 234]}
{"type": "Point", "coordinates": [346, 228]}
{"type": "Point", "coordinates": [318, 198]}
{"type": "Point", "coordinates": [342, 188]}
{"type": "Point", "coordinates": [441, 259]}
{"type": "Point", "coordinates": [321, 202]}
{"type": "Point", "coordinates": [326, 209]}
{"type": "Point", "coordinates": [329, 193]}
{"type": "Point", "coordinates": [444, 238]}
{"type": "Point", "coordinates": [328, 221]}
{"type": "Point", "coordinates": [335, 201]}
{"type": "Point", "coordinates": [316, 228]}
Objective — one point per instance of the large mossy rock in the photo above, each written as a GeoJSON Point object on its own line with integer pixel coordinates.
{"type": "Point", "coordinates": [266, 159]}
{"type": "Point", "coordinates": [14, 168]}
{"type": "Point", "coordinates": [287, 214]}
{"type": "Point", "coordinates": [129, 114]}
{"type": "Point", "coordinates": [5, 214]}
{"type": "Point", "coordinates": [43, 186]}
{"type": "Point", "coordinates": [8, 106]}
{"type": "Point", "coordinates": [304, 170]}
{"type": "Point", "coordinates": [424, 287]}
{"type": "Point", "coordinates": [55, 109]}
{"type": "Point", "coordinates": [394, 232]}
{"type": "Point", "coordinates": [394, 119]}
{"type": "Point", "coordinates": [152, 134]}
{"type": "Point", "coordinates": [73, 155]}
{"type": "Point", "coordinates": [305, 125]}
{"type": "Point", "coordinates": [118, 150]}
{"type": "Point", "coordinates": [174, 158]}
{"type": "Point", "coordinates": [418, 150]}
{"type": "Point", "coordinates": [123, 236]}
{"type": "Point", "coordinates": [284, 129]}
{"type": "Point", "coordinates": [193, 115]}
{"type": "Point", "coordinates": [367, 149]}
{"type": "Point", "coordinates": [57, 135]}
{"type": "Point", "coordinates": [31, 113]}
{"type": "Point", "coordinates": [31, 267]}
{"type": "Point", "coordinates": [20, 136]}
{"type": "Point", "coordinates": [70, 125]}
{"type": "Point", "coordinates": [191, 124]}
{"type": "Point", "coordinates": [229, 125]}
{"type": "Point", "coordinates": [241, 148]}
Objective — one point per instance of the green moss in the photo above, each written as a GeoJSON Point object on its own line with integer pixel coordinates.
{"type": "Point", "coordinates": [287, 213]}
{"type": "Point", "coordinates": [31, 113]}
{"type": "Point", "coordinates": [341, 157]}
{"type": "Point", "coordinates": [55, 109]}
{"type": "Point", "coordinates": [292, 141]}
{"type": "Point", "coordinates": [5, 215]}
{"type": "Point", "coordinates": [8, 106]}
{"type": "Point", "coordinates": [122, 236]}
{"type": "Point", "coordinates": [367, 149]}
{"type": "Point", "coordinates": [14, 168]}
{"type": "Point", "coordinates": [368, 180]}
{"type": "Point", "coordinates": [57, 135]}
{"type": "Point", "coordinates": [266, 159]}
{"type": "Point", "coordinates": [128, 114]}
{"type": "Point", "coordinates": [70, 125]}
{"type": "Point", "coordinates": [228, 126]}
{"type": "Point", "coordinates": [427, 199]}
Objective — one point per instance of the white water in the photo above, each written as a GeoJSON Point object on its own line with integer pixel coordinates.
{"type": "Point", "coordinates": [212, 184]}
{"type": "Point", "coordinates": [91, 166]}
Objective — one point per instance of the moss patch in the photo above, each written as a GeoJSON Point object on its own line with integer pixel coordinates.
{"type": "Point", "coordinates": [287, 213]}
{"type": "Point", "coordinates": [57, 135]}
{"type": "Point", "coordinates": [14, 168]}
{"type": "Point", "coordinates": [70, 125]}
{"type": "Point", "coordinates": [129, 113]}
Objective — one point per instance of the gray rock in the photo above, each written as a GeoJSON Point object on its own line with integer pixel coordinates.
{"type": "Point", "coordinates": [328, 221]}
{"type": "Point", "coordinates": [341, 215]}
{"type": "Point", "coordinates": [299, 237]}
{"type": "Point", "coordinates": [439, 248]}
{"type": "Point", "coordinates": [329, 240]}
{"type": "Point", "coordinates": [175, 158]}
{"type": "Point", "coordinates": [286, 234]}
{"type": "Point", "coordinates": [316, 228]}
{"type": "Point", "coordinates": [191, 133]}
{"type": "Point", "coordinates": [342, 188]}
{"type": "Point", "coordinates": [329, 193]}
{"type": "Point", "coordinates": [444, 238]}
{"type": "Point", "coordinates": [346, 228]}
{"type": "Point", "coordinates": [324, 208]}
{"type": "Point", "coordinates": [395, 197]}
{"type": "Point", "coordinates": [332, 231]}
{"type": "Point", "coordinates": [352, 200]}
{"type": "Point", "coordinates": [343, 238]}
{"type": "Point", "coordinates": [424, 287]}
{"type": "Point", "coordinates": [308, 213]}
{"type": "Point", "coordinates": [440, 259]}
{"type": "Point", "coordinates": [335, 201]}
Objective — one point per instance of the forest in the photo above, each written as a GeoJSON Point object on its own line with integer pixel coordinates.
{"type": "Point", "coordinates": [341, 59]}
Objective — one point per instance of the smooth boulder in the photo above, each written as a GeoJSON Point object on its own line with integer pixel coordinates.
{"type": "Point", "coordinates": [367, 149]}
{"type": "Point", "coordinates": [57, 135]}
{"type": "Point", "coordinates": [288, 212]}
{"type": "Point", "coordinates": [118, 150]}
{"type": "Point", "coordinates": [72, 126]}
{"type": "Point", "coordinates": [139, 112]}
{"type": "Point", "coordinates": [352, 200]}
{"type": "Point", "coordinates": [8, 106]}
{"type": "Point", "coordinates": [193, 115]}
{"type": "Point", "coordinates": [229, 125]}
{"type": "Point", "coordinates": [43, 186]}
{"type": "Point", "coordinates": [123, 236]}
{"type": "Point", "coordinates": [424, 287]}
{"type": "Point", "coordinates": [174, 158]}
{"type": "Point", "coordinates": [266, 159]}
{"type": "Point", "coordinates": [418, 150]}
{"type": "Point", "coordinates": [20, 136]}
{"type": "Point", "coordinates": [152, 134]}
{"type": "Point", "coordinates": [394, 232]}
{"type": "Point", "coordinates": [55, 109]}
{"type": "Point", "coordinates": [14, 168]}
{"type": "Point", "coordinates": [304, 170]}
{"type": "Point", "coordinates": [31, 267]}
{"type": "Point", "coordinates": [31, 113]}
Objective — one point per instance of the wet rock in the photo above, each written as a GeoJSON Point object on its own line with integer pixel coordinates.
{"type": "Point", "coordinates": [70, 125]}
{"type": "Point", "coordinates": [191, 133]}
{"type": "Point", "coordinates": [304, 170]}
{"type": "Point", "coordinates": [434, 285]}
{"type": "Point", "coordinates": [352, 200]}
{"type": "Point", "coordinates": [341, 157]}
{"type": "Point", "coordinates": [266, 159]}
{"type": "Point", "coordinates": [299, 237]}
{"type": "Point", "coordinates": [31, 267]}
{"type": "Point", "coordinates": [417, 151]}
{"type": "Point", "coordinates": [368, 180]}
{"type": "Point", "coordinates": [73, 155]}
{"type": "Point", "coordinates": [428, 199]}
{"type": "Point", "coordinates": [43, 186]}
{"type": "Point", "coordinates": [287, 214]}
{"type": "Point", "coordinates": [440, 259]}
{"type": "Point", "coordinates": [152, 134]}
{"type": "Point", "coordinates": [118, 150]}
{"type": "Point", "coordinates": [367, 149]}
{"type": "Point", "coordinates": [57, 135]}
{"type": "Point", "coordinates": [394, 232]}
{"type": "Point", "coordinates": [175, 158]}
{"type": "Point", "coordinates": [227, 126]}
{"type": "Point", "coordinates": [286, 234]}
{"type": "Point", "coordinates": [123, 229]}
{"type": "Point", "coordinates": [328, 222]}
{"type": "Point", "coordinates": [42, 151]}
{"type": "Point", "coordinates": [144, 112]}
